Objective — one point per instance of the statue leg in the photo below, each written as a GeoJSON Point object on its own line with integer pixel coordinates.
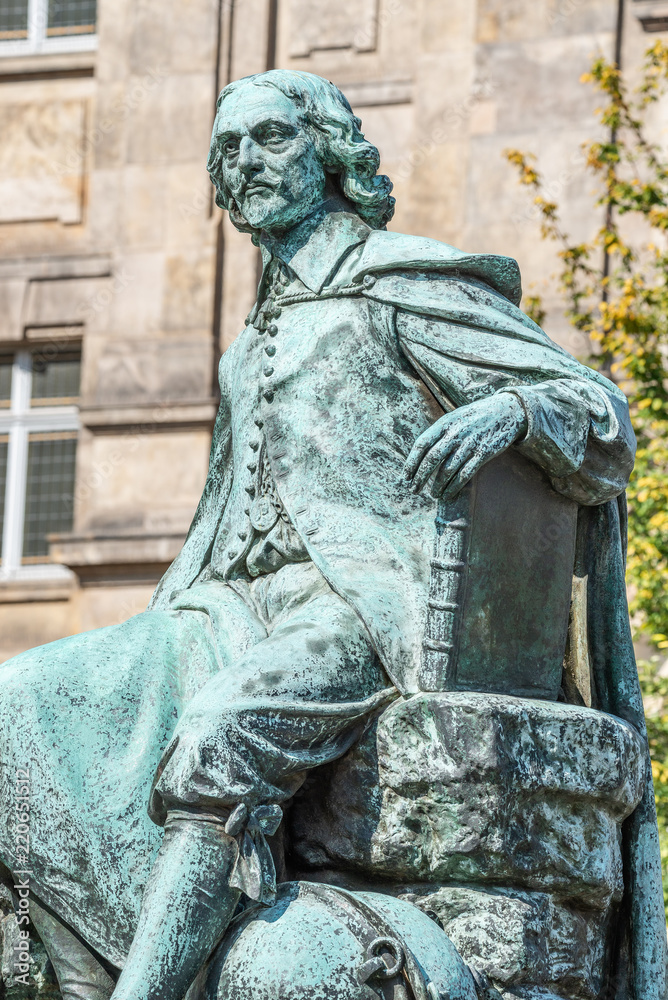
{"type": "Point", "coordinates": [243, 745]}
{"type": "Point", "coordinates": [80, 975]}
{"type": "Point", "coordinates": [186, 908]}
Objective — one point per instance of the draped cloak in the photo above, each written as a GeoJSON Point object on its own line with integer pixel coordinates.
{"type": "Point", "coordinates": [473, 300]}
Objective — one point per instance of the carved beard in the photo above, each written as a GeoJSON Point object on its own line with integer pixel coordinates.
{"type": "Point", "coordinates": [239, 220]}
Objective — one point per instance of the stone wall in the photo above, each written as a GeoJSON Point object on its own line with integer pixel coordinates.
{"type": "Point", "coordinates": [109, 235]}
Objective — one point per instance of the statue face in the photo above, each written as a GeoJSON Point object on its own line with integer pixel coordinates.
{"type": "Point", "coordinates": [270, 164]}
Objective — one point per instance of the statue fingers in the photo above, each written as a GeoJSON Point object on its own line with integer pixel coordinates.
{"type": "Point", "coordinates": [441, 454]}
{"type": "Point", "coordinates": [439, 431]}
{"type": "Point", "coordinates": [446, 487]}
{"type": "Point", "coordinates": [418, 451]}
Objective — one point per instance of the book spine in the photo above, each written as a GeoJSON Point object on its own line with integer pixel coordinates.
{"type": "Point", "coordinates": [446, 594]}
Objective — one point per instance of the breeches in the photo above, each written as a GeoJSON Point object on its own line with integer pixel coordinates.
{"type": "Point", "coordinates": [298, 681]}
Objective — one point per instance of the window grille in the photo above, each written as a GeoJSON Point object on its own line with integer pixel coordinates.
{"type": "Point", "coordinates": [6, 363]}
{"type": "Point", "coordinates": [38, 438]}
{"type": "Point", "coordinates": [652, 14]}
{"type": "Point", "coordinates": [71, 17]}
{"type": "Point", "coordinates": [49, 491]}
{"type": "Point", "coordinates": [43, 26]}
{"type": "Point", "coordinates": [56, 379]}
{"type": "Point", "coordinates": [13, 19]}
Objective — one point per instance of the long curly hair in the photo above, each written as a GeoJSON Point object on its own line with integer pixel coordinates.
{"type": "Point", "coordinates": [344, 152]}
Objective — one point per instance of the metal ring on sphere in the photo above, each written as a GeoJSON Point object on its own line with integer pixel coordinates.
{"type": "Point", "coordinates": [375, 966]}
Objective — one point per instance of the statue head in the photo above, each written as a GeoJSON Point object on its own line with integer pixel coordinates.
{"type": "Point", "coordinates": [285, 141]}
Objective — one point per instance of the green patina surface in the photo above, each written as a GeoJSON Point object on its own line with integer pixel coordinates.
{"type": "Point", "coordinates": [355, 546]}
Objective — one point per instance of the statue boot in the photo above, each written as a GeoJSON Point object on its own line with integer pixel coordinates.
{"type": "Point", "coordinates": [186, 908]}
{"type": "Point", "coordinates": [80, 975]}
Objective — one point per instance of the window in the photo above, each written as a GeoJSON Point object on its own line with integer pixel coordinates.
{"type": "Point", "coordinates": [13, 19]}
{"type": "Point", "coordinates": [652, 14]}
{"type": "Point", "coordinates": [35, 26]}
{"type": "Point", "coordinates": [38, 438]}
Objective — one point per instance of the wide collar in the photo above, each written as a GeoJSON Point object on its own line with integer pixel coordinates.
{"type": "Point", "coordinates": [314, 249]}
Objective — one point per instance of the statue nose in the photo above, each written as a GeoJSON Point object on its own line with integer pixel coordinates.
{"type": "Point", "coordinates": [250, 160]}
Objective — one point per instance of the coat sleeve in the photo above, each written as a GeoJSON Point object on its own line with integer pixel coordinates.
{"type": "Point", "coordinates": [580, 435]}
{"type": "Point", "coordinates": [579, 431]}
{"type": "Point", "coordinates": [197, 547]}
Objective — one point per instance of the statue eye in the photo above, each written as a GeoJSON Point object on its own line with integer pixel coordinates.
{"type": "Point", "coordinates": [231, 147]}
{"type": "Point", "coordinates": [274, 135]}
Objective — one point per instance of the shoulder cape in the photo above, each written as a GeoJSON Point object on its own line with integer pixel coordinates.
{"type": "Point", "coordinates": [484, 326]}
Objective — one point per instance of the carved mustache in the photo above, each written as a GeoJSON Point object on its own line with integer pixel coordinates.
{"type": "Point", "coordinates": [256, 186]}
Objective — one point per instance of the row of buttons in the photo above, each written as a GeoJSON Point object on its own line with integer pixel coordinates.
{"type": "Point", "coordinates": [270, 311]}
{"type": "Point", "coordinates": [270, 349]}
{"type": "Point", "coordinates": [254, 445]}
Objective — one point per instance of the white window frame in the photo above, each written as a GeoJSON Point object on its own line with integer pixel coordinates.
{"type": "Point", "coordinates": [38, 43]}
{"type": "Point", "coordinates": [18, 421]}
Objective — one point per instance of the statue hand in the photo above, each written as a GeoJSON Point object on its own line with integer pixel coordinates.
{"type": "Point", "coordinates": [460, 443]}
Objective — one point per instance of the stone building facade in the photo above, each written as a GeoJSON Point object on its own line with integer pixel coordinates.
{"type": "Point", "coordinates": [121, 283]}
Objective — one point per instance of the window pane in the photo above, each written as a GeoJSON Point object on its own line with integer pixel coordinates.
{"type": "Point", "coordinates": [55, 377]}
{"type": "Point", "coordinates": [49, 491]}
{"type": "Point", "coordinates": [71, 17]}
{"type": "Point", "coordinates": [13, 19]}
{"type": "Point", "coordinates": [4, 445]}
{"type": "Point", "coordinates": [6, 361]}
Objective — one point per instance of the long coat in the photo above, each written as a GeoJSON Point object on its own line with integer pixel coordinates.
{"type": "Point", "coordinates": [348, 398]}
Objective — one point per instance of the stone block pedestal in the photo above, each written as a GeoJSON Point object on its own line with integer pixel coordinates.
{"type": "Point", "coordinates": [501, 817]}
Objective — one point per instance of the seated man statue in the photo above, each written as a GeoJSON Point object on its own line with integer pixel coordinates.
{"type": "Point", "coordinates": [377, 375]}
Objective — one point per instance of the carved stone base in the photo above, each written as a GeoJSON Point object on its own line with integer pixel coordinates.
{"type": "Point", "coordinates": [500, 816]}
